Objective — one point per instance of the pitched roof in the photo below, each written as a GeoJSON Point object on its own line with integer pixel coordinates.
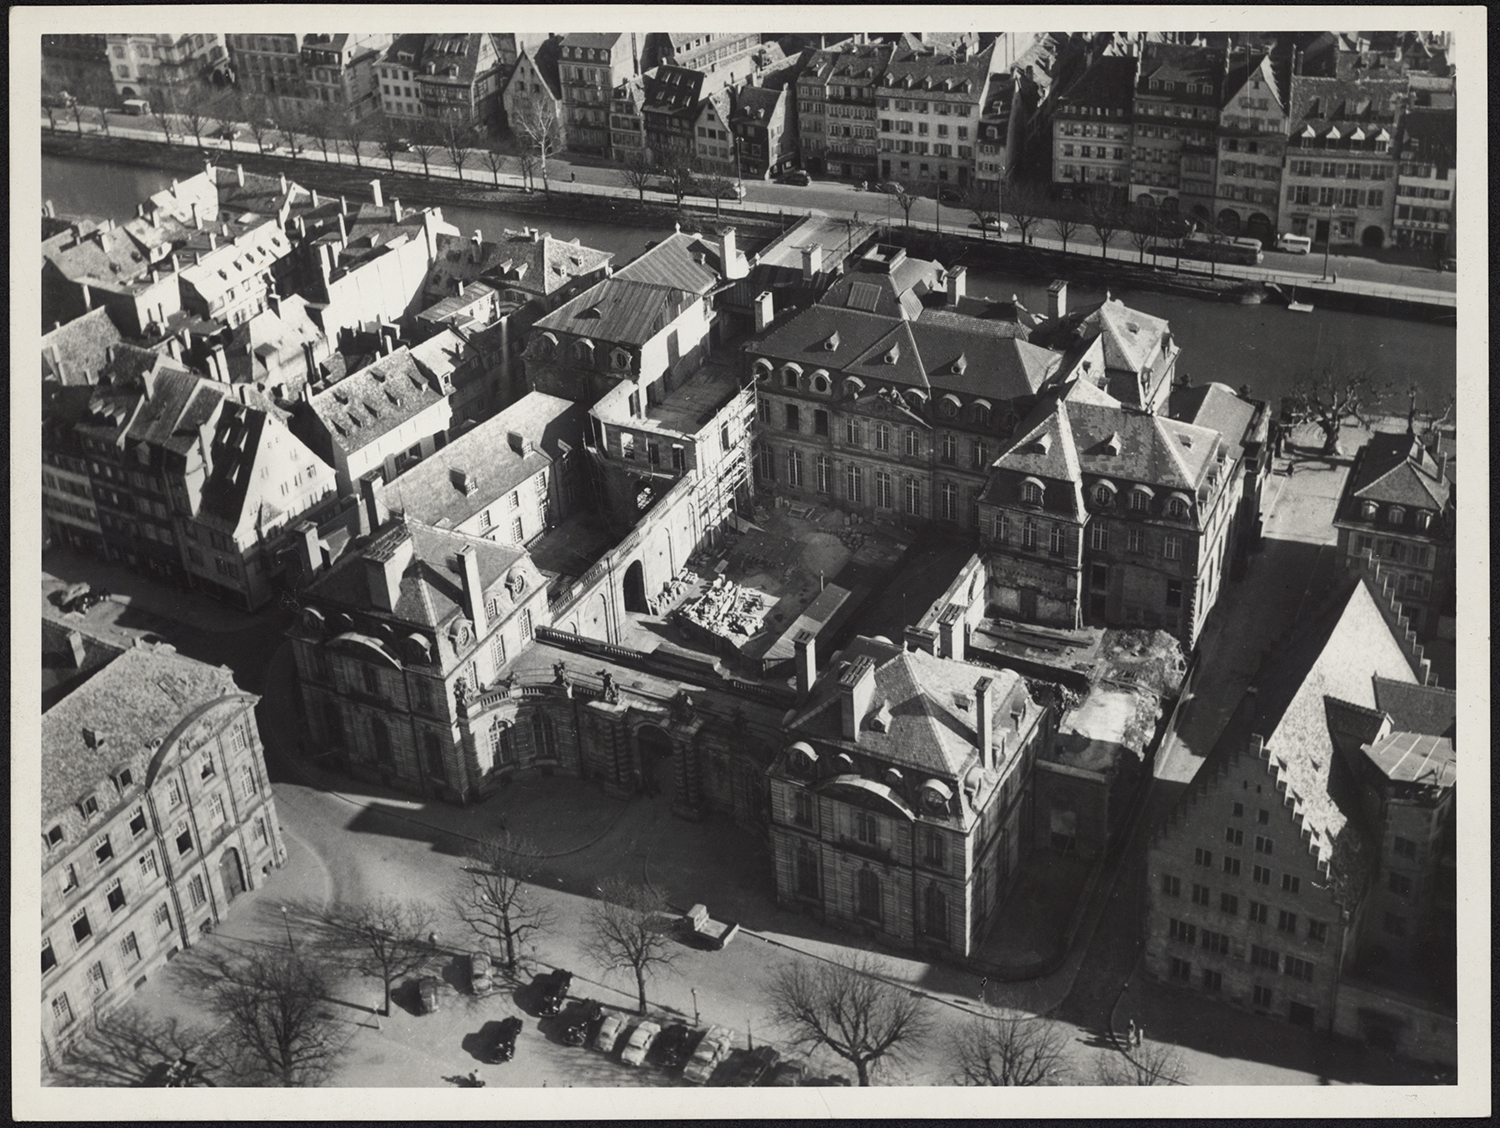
{"type": "Point", "coordinates": [592, 39]}
{"type": "Point", "coordinates": [1395, 468]}
{"type": "Point", "coordinates": [1410, 757]}
{"type": "Point", "coordinates": [1043, 446]}
{"type": "Point", "coordinates": [1181, 65]}
{"type": "Point", "coordinates": [137, 698]}
{"type": "Point", "coordinates": [618, 311]}
{"type": "Point", "coordinates": [1151, 450]}
{"type": "Point", "coordinates": [927, 730]}
{"type": "Point", "coordinates": [62, 671]}
{"type": "Point", "coordinates": [1215, 406]}
{"type": "Point", "coordinates": [674, 262]}
{"type": "Point", "coordinates": [75, 353]}
{"type": "Point", "coordinates": [1108, 84]}
{"type": "Point", "coordinates": [377, 399]}
{"type": "Point", "coordinates": [1417, 708]}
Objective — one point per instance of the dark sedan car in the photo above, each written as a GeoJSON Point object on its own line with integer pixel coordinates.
{"type": "Point", "coordinates": [754, 1065]}
{"type": "Point", "coordinates": [552, 990]}
{"type": "Point", "coordinates": [503, 1047]}
{"type": "Point", "coordinates": [673, 1045]}
{"type": "Point", "coordinates": [797, 177]}
{"type": "Point", "coordinates": [580, 1021]}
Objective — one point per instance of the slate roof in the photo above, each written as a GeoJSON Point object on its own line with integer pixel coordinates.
{"type": "Point", "coordinates": [1409, 757]}
{"type": "Point", "coordinates": [938, 69]}
{"type": "Point", "coordinates": [137, 698]}
{"type": "Point", "coordinates": [284, 332]}
{"type": "Point", "coordinates": [927, 731]}
{"type": "Point", "coordinates": [75, 353]}
{"type": "Point", "coordinates": [1109, 84]}
{"type": "Point", "coordinates": [61, 673]}
{"type": "Point", "coordinates": [672, 90]}
{"type": "Point", "coordinates": [362, 407]}
{"type": "Point", "coordinates": [235, 263]}
{"type": "Point", "coordinates": [1244, 67]}
{"type": "Point", "coordinates": [1181, 65]}
{"type": "Point", "coordinates": [593, 39]}
{"type": "Point", "coordinates": [1430, 137]}
{"type": "Point", "coordinates": [617, 311]}
{"type": "Point", "coordinates": [1153, 450]}
{"type": "Point", "coordinates": [105, 259]}
{"type": "Point", "coordinates": [1418, 708]}
{"type": "Point", "coordinates": [1215, 406]}
{"type": "Point", "coordinates": [1394, 468]}
{"type": "Point", "coordinates": [234, 453]}
{"type": "Point", "coordinates": [673, 262]}
{"type": "Point", "coordinates": [756, 104]}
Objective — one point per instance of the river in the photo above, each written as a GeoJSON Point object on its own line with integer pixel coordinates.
{"type": "Point", "coordinates": [1265, 347]}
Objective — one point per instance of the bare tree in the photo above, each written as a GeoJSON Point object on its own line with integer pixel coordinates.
{"type": "Point", "coordinates": [458, 134]}
{"type": "Point", "coordinates": [1104, 214]}
{"type": "Point", "coordinates": [1010, 1049]}
{"type": "Point", "coordinates": [637, 171]}
{"type": "Point", "coordinates": [629, 928]}
{"type": "Point", "coordinates": [526, 162]}
{"type": "Point", "coordinates": [1065, 223]}
{"type": "Point", "coordinates": [276, 1027]}
{"type": "Point", "coordinates": [164, 110]}
{"type": "Point", "coordinates": [1151, 1063]}
{"type": "Point", "coordinates": [495, 897]}
{"type": "Point", "coordinates": [426, 142]}
{"type": "Point", "coordinates": [351, 135]}
{"type": "Point", "coordinates": [496, 158]}
{"type": "Point", "coordinates": [290, 117]}
{"type": "Point", "coordinates": [904, 199]}
{"type": "Point", "coordinates": [257, 114]}
{"type": "Point", "coordinates": [1333, 396]}
{"type": "Point", "coordinates": [386, 939]}
{"type": "Point", "coordinates": [978, 201]}
{"type": "Point", "coordinates": [679, 176]}
{"type": "Point", "coordinates": [848, 1006]}
{"type": "Point", "coordinates": [1024, 204]}
{"type": "Point", "coordinates": [1141, 229]}
{"type": "Point", "coordinates": [535, 123]}
{"type": "Point", "coordinates": [319, 123]}
{"type": "Point", "coordinates": [718, 188]}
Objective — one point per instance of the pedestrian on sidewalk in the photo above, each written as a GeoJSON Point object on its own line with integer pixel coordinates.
{"type": "Point", "coordinates": [984, 982]}
{"type": "Point", "coordinates": [1130, 1036]}
{"type": "Point", "coordinates": [575, 177]}
{"type": "Point", "coordinates": [1140, 1034]}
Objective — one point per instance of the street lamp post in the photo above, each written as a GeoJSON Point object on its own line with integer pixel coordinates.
{"type": "Point", "coordinates": [694, 990]}
{"type": "Point", "coordinates": [292, 947]}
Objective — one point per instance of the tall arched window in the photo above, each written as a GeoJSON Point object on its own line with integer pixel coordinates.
{"type": "Point", "coordinates": [543, 736]}
{"type": "Point", "coordinates": [807, 871]}
{"type": "Point", "coordinates": [502, 745]}
{"type": "Point", "coordinates": [867, 903]}
{"type": "Point", "coordinates": [935, 913]}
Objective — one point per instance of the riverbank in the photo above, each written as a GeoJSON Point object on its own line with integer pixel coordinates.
{"type": "Point", "coordinates": [415, 189]}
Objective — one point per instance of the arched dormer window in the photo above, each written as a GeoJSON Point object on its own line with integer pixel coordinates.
{"type": "Point", "coordinates": [916, 399]}
{"type": "Point", "coordinates": [790, 375]}
{"type": "Point", "coordinates": [619, 360]}
{"type": "Point", "coordinates": [820, 381]}
{"type": "Point", "coordinates": [1368, 509]}
{"type": "Point", "coordinates": [1032, 491]}
{"type": "Point", "coordinates": [1140, 500]}
{"type": "Point", "coordinates": [583, 351]}
{"type": "Point", "coordinates": [854, 386]}
{"type": "Point", "coordinates": [762, 369]}
{"type": "Point", "coordinates": [948, 406]}
{"type": "Point", "coordinates": [547, 344]}
{"type": "Point", "coordinates": [1104, 495]}
{"type": "Point", "coordinates": [1178, 508]}
{"type": "Point", "coordinates": [980, 412]}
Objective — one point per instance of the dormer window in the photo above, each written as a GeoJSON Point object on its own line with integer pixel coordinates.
{"type": "Point", "coordinates": [88, 806]}
{"type": "Point", "coordinates": [789, 377]}
{"type": "Point", "coordinates": [1031, 492]}
{"type": "Point", "coordinates": [1140, 500]}
{"type": "Point", "coordinates": [1177, 509]}
{"type": "Point", "coordinates": [54, 837]}
{"type": "Point", "coordinates": [1104, 495]}
{"type": "Point", "coordinates": [1368, 509]}
{"type": "Point", "coordinates": [1396, 515]}
{"type": "Point", "coordinates": [619, 360]}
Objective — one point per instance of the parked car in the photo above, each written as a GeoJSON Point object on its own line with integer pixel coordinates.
{"type": "Point", "coordinates": [1448, 264]}
{"type": "Point", "coordinates": [991, 223]}
{"type": "Point", "coordinates": [639, 1043]}
{"type": "Point", "coordinates": [755, 1064]}
{"type": "Point", "coordinates": [609, 1033]}
{"type": "Point", "coordinates": [81, 601]}
{"type": "Point", "coordinates": [429, 994]}
{"type": "Point", "coordinates": [502, 1045]}
{"type": "Point", "coordinates": [552, 990]}
{"type": "Point", "coordinates": [795, 176]}
{"type": "Point", "coordinates": [1294, 244]}
{"type": "Point", "coordinates": [786, 1075]}
{"type": "Point", "coordinates": [711, 1050]}
{"type": "Point", "coordinates": [224, 133]}
{"type": "Point", "coordinates": [580, 1021]}
{"type": "Point", "coordinates": [398, 145]}
{"type": "Point", "coordinates": [673, 1044]}
{"type": "Point", "coordinates": [950, 196]}
{"type": "Point", "coordinates": [479, 973]}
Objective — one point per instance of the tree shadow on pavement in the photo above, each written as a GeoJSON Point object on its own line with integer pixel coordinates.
{"type": "Point", "coordinates": [123, 1048]}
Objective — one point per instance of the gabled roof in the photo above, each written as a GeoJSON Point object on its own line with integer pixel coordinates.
{"type": "Point", "coordinates": [1181, 65]}
{"type": "Point", "coordinates": [1394, 468]}
{"type": "Point", "coordinates": [1215, 406]}
{"type": "Point", "coordinates": [674, 262]}
{"type": "Point", "coordinates": [1151, 450]}
{"type": "Point", "coordinates": [927, 731]}
{"type": "Point", "coordinates": [1417, 708]}
{"type": "Point", "coordinates": [286, 331]}
{"type": "Point", "coordinates": [1042, 447]}
{"type": "Point", "coordinates": [75, 353]}
{"type": "Point", "coordinates": [62, 670]}
{"type": "Point", "coordinates": [617, 311]}
{"type": "Point", "coordinates": [1108, 84]}
{"type": "Point", "coordinates": [235, 454]}
{"type": "Point", "coordinates": [360, 408]}
{"type": "Point", "coordinates": [1410, 757]}
{"type": "Point", "coordinates": [592, 39]}
{"type": "Point", "coordinates": [673, 90]}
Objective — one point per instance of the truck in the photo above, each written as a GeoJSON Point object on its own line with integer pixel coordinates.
{"type": "Point", "coordinates": [706, 932]}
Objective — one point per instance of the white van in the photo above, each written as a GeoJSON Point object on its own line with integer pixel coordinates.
{"type": "Point", "coordinates": [1294, 244]}
{"type": "Point", "coordinates": [137, 107]}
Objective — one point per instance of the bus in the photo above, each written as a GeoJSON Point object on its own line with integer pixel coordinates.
{"type": "Point", "coordinates": [1221, 248]}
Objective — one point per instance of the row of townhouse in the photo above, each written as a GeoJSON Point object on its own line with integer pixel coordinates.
{"type": "Point", "coordinates": [1299, 135]}
{"type": "Point", "coordinates": [163, 68]}
{"type": "Point", "coordinates": [336, 73]}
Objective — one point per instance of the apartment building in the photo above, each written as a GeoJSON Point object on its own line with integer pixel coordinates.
{"type": "Point", "coordinates": [1176, 109]}
{"type": "Point", "coordinates": [765, 132]}
{"type": "Point", "coordinates": [998, 137]}
{"type": "Point", "coordinates": [901, 802]}
{"type": "Point", "coordinates": [627, 123]}
{"type": "Point", "coordinates": [929, 98]}
{"type": "Point", "coordinates": [673, 103]}
{"type": "Point", "coordinates": [591, 65]}
{"type": "Point", "coordinates": [1398, 506]}
{"type": "Point", "coordinates": [1426, 181]}
{"type": "Point", "coordinates": [156, 816]}
{"type": "Point", "coordinates": [1091, 128]}
{"type": "Point", "coordinates": [160, 68]}
{"type": "Point", "coordinates": [432, 77]}
{"type": "Point", "coordinates": [724, 57]}
{"type": "Point", "coordinates": [836, 111]}
{"type": "Point", "coordinates": [1252, 147]}
{"type": "Point", "coordinates": [715, 144]}
{"type": "Point", "coordinates": [534, 82]}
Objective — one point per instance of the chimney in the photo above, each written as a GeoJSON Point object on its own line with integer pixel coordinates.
{"type": "Point", "coordinates": [765, 310]}
{"type": "Point", "coordinates": [807, 663]}
{"type": "Point", "coordinates": [316, 202]}
{"type": "Point", "coordinates": [372, 497]}
{"type": "Point", "coordinates": [812, 262]}
{"type": "Point", "coordinates": [396, 212]}
{"type": "Point", "coordinates": [325, 261]}
{"type": "Point", "coordinates": [343, 229]}
{"type": "Point", "coordinates": [856, 686]}
{"type": "Point", "coordinates": [208, 171]}
{"type": "Point", "coordinates": [48, 210]}
{"type": "Point", "coordinates": [176, 263]}
{"type": "Point", "coordinates": [309, 548]}
{"type": "Point", "coordinates": [1057, 299]}
{"type": "Point", "coordinates": [88, 295]}
{"type": "Point", "coordinates": [383, 572]}
{"type": "Point", "coordinates": [343, 205]}
{"type": "Point", "coordinates": [468, 561]}
{"type": "Point", "coordinates": [273, 302]}
{"type": "Point", "coordinates": [1442, 466]}
{"type": "Point", "coordinates": [519, 443]}
{"type": "Point", "coordinates": [375, 188]}
{"type": "Point", "coordinates": [984, 722]}
{"type": "Point", "coordinates": [958, 279]}
{"type": "Point", "coordinates": [76, 649]}
{"type": "Point", "coordinates": [731, 262]}
{"type": "Point", "coordinates": [283, 184]}
{"type": "Point", "coordinates": [951, 633]}
{"type": "Point", "coordinates": [387, 344]}
{"type": "Point", "coordinates": [239, 175]}
{"type": "Point", "coordinates": [221, 364]}
{"type": "Point", "coordinates": [213, 240]}
{"type": "Point", "coordinates": [174, 186]}
{"type": "Point", "coordinates": [197, 219]}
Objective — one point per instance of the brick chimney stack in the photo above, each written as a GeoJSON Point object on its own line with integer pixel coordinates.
{"type": "Point", "coordinates": [984, 723]}
{"type": "Point", "coordinates": [857, 685]}
{"type": "Point", "coordinates": [474, 607]}
{"type": "Point", "coordinates": [806, 646]}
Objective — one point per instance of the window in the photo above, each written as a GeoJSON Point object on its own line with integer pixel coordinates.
{"type": "Point", "coordinates": [1263, 817]}
{"type": "Point", "coordinates": [913, 492]}
{"type": "Point", "coordinates": [162, 919]}
{"type": "Point", "coordinates": [794, 468]}
{"type": "Point", "coordinates": [260, 829]}
{"type": "Point", "coordinates": [82, 930]}
{"type": "Point", "coordinates": [820, 424]}
{"type": "Point", "coordinates": [852, 434]}
{"type": "Point", "coordinates": [54, 837]}
{"type": "Point", "coordinates": [1202, 857]}
{"type": "Point", "coordinates": [1267, 958]}
{"type": "Point", "coordinates": [1263, 845]}
{"type": "Point", "coordinates": [184, 838]}
{"type": "Point", "coordinates": [804, 812]}
{"type": "Point", "coordinates": [866, 829]}
{"type": "Point", "coordinates": [138, 822]}
{"type": "Point", "coordinates": [526, 628]}
{"type": "Point", "coordinates": [1258, 913]}
{"type": "Point", "coordinates": [49, 957]}
{"type": "Point", "coordinates": [103, 849]}
{"type": "Point", "coordinates": [1229, 903]}
{"type": "Point", "coordinates": [62, 1013]}
{"type": "Point", "coordinates": [1261, 875]}
{"type": "Point", "coordinates": [868, 895]}
{"type": "Point", "coordinates": [913, 447]}
{"type": "Point", "coordinates": [825, 474]}
{"type": "Point", "coordinates": [1181, 970]}
{"type": "Point", "coordinates": [1261, 996]}
{"type": "Point", "coordinates": [1031, 493]}
{"type": "Point", "coordinates": [1212, 980]}
{"type": "Point", "coordinates": [1404, 848]}
{"type": "Point", "coordinates": [1055, 540]}
{"type": "Point", "coordinates": [1216, 942]}
{"type": "Point", "coordinates": [1290, 883]}
{"type": "Point", "coordinates": [1298, 969]}
{"type": "Point", "coordinates": [935, 912]}
{"type": "Point", "coordinates": [1135, 540]}
{"type": "Point", "coordinates": [196, 892]}
{"type": "Point", "coordinates": [147, 865]}
{"type": "Point", "coordinates": [807, 871]}
{"type": "Point", "coordinates": [1232, 866]}
{"type": "Point", "coordinates": [1317, 931]}
{"type": "Point", "coordinates": [852, 483]}
{"type": "Point", "coordinates": [1181, 930]}
{"type": "Point", "coordinates": [1171, 886]}
{"type": "Point", "coordinates": [216, 808]}
{"type": "Point", "coordinates": [1098, 537]}
{"type": "Point", "coordinates": [1234, 837]}
{"type": "Point", "coordinates": [130, 951]}
{"type": "Point", "coordinates": [793, 418]}
{"type": "Point", "coordinates": [1171, 547]}
{"type": "Point", "coordinates": [1174, 593]}
{"type": "Point", "coordinates": [1398, 883]}
{"type": "Point", "coordinates": [90, 807]}
{"type": "Point", "coordinates": [934, 847]}
{"type": "Point", "coordinates": [1286, 922]}
{"type": "Point", "coordinates": [1201, 895]}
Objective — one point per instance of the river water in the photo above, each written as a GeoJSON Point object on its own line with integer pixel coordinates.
{"type": "Point", "coordinates": [1265, 347]}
